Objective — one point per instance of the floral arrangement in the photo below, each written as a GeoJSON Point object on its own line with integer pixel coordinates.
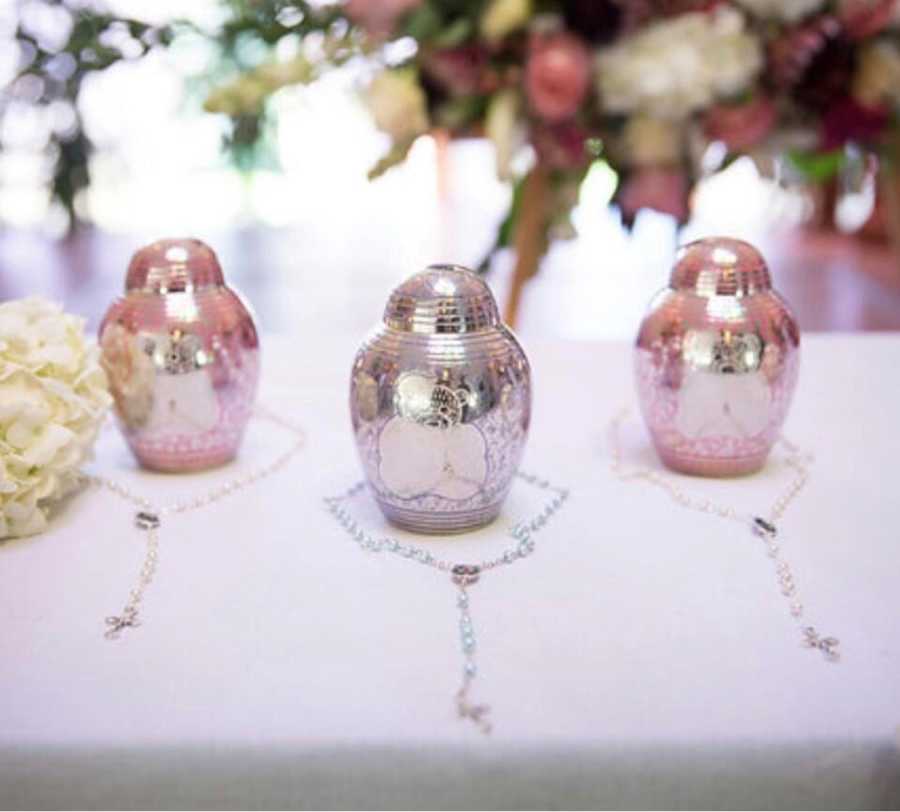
{"type": "Point", "coordinates": [53, 399]}
{"type": "Point", "coordinates": [645, 85]}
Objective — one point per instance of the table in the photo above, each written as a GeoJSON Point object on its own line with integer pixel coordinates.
{"type": "Point", "coordinates": [642, 657]}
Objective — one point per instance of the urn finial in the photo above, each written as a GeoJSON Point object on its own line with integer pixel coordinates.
{"type": "Point", "coordinates": [720, 266]}
{"type": "Point", "coordinates": [442, 299]}
{"type": "Point", "coordinates": [169, 266]}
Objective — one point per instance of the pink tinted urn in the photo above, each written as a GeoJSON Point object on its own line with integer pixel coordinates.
{"type": "Point", "coordinates": [182, 355]}
{"type": "Point", "coordinates": [716, 361]}
{"type": "Point", "coordinates": [440, 399]}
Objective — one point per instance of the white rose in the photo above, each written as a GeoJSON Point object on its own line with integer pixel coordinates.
{"type": "Point", "coordinates": [397, 102]}
{"type": "Point", "coordinates": [502, 17]}
{"type": "Point", "coordinates": [53, 398]}
{"type": "Point", "coordinates": [788, 11]}
{"type": "Point", "coordinates": [674, 67]}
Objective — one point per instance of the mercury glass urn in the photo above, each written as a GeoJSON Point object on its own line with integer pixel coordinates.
{"type": "Point", "coordinates": [440, 398]}
{"type": "Point", "coordinates": [181, 353]}
{"type": "Point", "coordinates": [716, 361]}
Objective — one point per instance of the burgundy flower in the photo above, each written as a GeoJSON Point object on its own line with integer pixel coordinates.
{"type": "Point", "coordinates": [460, 71]}
{"type": "Point", "coordinates": [866, 18]}
{"type": "Point", "coordinates": [663, 189]}
{"type": "Point", "coordinates": [815, 61]}
{"type": "Point", "coordinates": [557, 75]}
{"type": "Point", "coordinates": [598, 21]}
{"type": "Point", "coordinates": [848, 120]}
{"type": "Point", "coordinates": [741, 126]}
{"type": "Point", "coordinates": [561, 146]}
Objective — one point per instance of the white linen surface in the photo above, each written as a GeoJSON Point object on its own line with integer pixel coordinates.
{"type": "Point", "coordinates": [643, 656]}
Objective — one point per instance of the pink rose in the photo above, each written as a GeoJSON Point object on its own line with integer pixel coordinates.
{"type": "Point", "coordinates": [378, 17]}
{"type": "Point", "coordinates": [557, 75]}
{"type": "Point", "coordinates": [741, 126]}
{"type": "Point", "coordinates": [663, 189]}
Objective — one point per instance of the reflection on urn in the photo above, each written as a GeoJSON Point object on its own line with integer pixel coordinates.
{"type": "Point", "coordinates": [441, 401]}
{"type": "Point", "coordinates": [182, 356]}
{"type": "Point", "coordinates": [716, 361]}
{"type": "Point", "coordinates": [725, 392]}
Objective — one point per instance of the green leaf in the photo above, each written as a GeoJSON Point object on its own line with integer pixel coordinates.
{"type": "Point", "coordinates": [817, 166]}
{"type": "Point", "coordinates": [457, 113]}
{"type": "Point", "coordinates": [455, 34]}
{"type": "Point", "coordinates": [396, 155]}
{"type": "Point", "coordinates": [505, 233]}
{"type": "Point", "coordinates": [424, 23]}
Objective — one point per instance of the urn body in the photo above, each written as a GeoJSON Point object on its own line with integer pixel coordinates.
{"type": "Point", "coordinates": [716, 361]}
{"type": "Point", "coordinates": [440, 401]}
{"type": "Point", "coordinates": [181, 352]}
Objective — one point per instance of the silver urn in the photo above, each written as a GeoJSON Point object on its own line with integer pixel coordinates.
{"type": "Point", "coordinates": [181, 353]}
{"type": "Point", "coordinates": [440, 399]}
{"type": "Point", "coordinates": [716, 361]}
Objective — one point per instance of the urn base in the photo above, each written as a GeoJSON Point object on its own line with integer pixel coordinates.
{"type": "Point", "coordinates": [166, 462]}
{"type": "Point", "coordinates": [710, 466]}
{"type": "Point", "coordinates": [435, 523]}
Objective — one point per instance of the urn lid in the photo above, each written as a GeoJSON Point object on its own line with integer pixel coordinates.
{"type": "Point", "coordinates": [720, 266]}
{"type": "Point", "coordinates": [442, 299]}
{"type": "Point", "coordinates": [173, 265]}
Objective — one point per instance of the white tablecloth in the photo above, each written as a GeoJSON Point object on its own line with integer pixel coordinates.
{"type": "Point", "coordinates": [642, 657]}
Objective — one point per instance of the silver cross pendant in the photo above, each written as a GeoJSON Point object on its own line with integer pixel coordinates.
{"type": "Point", "coordinates": [116, 623]}
{"type": "Point", "coordinates": [827, 645]}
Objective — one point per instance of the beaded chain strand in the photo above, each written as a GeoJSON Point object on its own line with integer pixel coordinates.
{"type": "Point", "coordinates": [463, 576]}
{"type": "Point", "coordinates": [762, 526]}
{"type": "Point", "coordinates": [149, 516]}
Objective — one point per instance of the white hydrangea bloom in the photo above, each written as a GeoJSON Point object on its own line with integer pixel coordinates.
{"type": "Point", "coordinates": [53, 398]}
{"type": "Point", "coordinates": [674, 67]}
{"type": "Point", "coordinates": [788, 11]}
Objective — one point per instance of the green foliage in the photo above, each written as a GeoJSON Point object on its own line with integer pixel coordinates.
{"type": "Point", "coordinates": [817, 166]}
{"type": "Point", "coordinates": [86, 50]}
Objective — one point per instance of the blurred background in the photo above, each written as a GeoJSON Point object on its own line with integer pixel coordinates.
{"type": "Point", "coordinates": [252, 125]}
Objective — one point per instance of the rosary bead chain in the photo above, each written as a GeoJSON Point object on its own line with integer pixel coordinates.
{"type": "Point", "coordinates": [766, 528]}
{"type": "Point", "coordinates": [522, 532]}
{"type": "Point", "coordinates": [148, 518]}
{"type": "Point", "coordinates": [462, 575]}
